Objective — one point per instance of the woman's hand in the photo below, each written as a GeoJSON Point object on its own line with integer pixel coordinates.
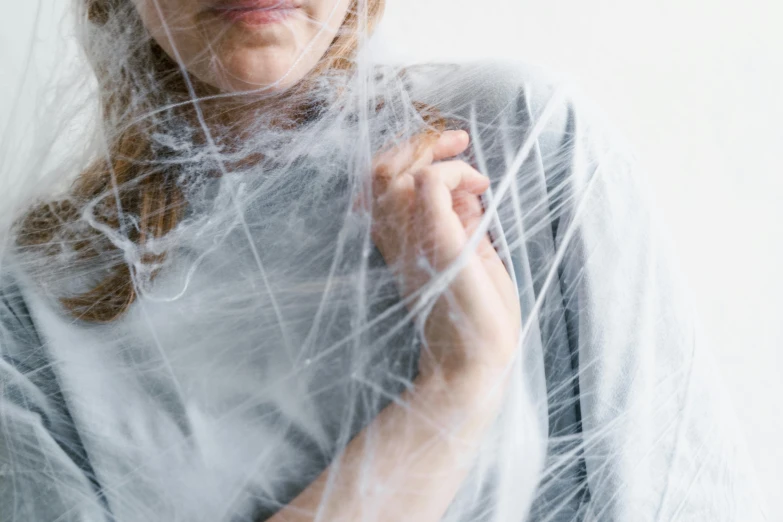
{"type": "Point", "coordinates": [425, 209]}
{"type": "Point", "coordinates": [423, 445]}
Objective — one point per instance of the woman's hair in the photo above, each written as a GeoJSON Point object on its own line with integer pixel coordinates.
{"type": "Point", "coordinates": [128, 181]}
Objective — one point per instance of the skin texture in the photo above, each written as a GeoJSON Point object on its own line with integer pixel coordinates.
{"type": "Point", "coordinates": [409, 463]}
{"type": "Point", "coordinates": [425, 207]}
{"type": "Point", "coordinates": [235, 56]}
{"type": "Point", "coordinates": [425, 210]}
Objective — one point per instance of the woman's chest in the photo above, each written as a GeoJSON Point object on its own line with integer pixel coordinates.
{"type": "Point", "coordinates": [237, 373]}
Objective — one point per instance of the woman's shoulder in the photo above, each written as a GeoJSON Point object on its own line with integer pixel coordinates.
{"type": "Point", "coordinates": [502, 86]}
{"type": "Point", "coordinates": [493, 79]}
{"type": "Point", "coordinates": [514, 95]}
{"type": "Point", "coordinates": [488, 85]}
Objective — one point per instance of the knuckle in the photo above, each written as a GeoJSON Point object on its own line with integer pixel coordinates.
{"type": "Point", "coordinates": [400, 184]}
{"type": "Point", "coordinates": [428, 174]}
{"type": "Point", "coordinates": [464, 166]}
{"type": "Point", "coordinates": [382, 169]}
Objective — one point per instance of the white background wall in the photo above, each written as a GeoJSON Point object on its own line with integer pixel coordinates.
{"type": "Point", "coordinates": [698, 88]}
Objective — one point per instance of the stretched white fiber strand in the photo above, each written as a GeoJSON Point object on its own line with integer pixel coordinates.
{"type": "Point", "coordinates": [198, 319]}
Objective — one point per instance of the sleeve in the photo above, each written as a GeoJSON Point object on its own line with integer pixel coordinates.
{"type": "Point", "coordinates": [44, 473]}
{"type": "Point", "coordinates": [658, 439]}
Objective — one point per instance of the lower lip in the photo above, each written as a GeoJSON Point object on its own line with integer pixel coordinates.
{"type": "Point", "coordinates": [255, 16]}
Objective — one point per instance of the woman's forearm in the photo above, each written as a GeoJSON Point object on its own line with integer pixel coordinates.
{"type": "Point", "coordinates": [409, 463]}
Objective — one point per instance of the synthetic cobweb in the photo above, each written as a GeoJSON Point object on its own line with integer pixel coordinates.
{"type": "Point", "coordinates": [267, 329]}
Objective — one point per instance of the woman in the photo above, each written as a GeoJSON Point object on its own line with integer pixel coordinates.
{"type": "Point", "coordinates": [291, 286]}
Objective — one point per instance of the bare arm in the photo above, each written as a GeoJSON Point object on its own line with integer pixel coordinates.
{"type": "Point", "coordinates": [410, 462]}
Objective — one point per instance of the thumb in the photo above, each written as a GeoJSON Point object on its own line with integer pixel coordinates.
{"type": "Point", "coordinates": [450, 144]}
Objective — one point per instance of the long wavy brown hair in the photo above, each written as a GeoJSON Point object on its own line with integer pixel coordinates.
{"type": "Point", "coordinates": [123, 184]}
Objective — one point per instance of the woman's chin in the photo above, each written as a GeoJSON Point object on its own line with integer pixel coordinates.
{"type": "Point", "coordinates": [253, 85]}
{"type": "Point", "coordinates": [262, 76]}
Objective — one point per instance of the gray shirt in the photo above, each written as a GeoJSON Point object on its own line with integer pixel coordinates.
{"type": "Point", "coordinates": [274, 335]}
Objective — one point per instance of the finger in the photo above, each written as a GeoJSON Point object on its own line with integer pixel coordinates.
{"type": "Point", "coordinates": [439, 189]}
{"type": "Point", "coordinates": [470, 211]}
{"type": "Point", "coordinates": [401, 157]}
{"type": "Point", "coordinates": [457, 175]}
{"type": "Point", "coordinates": [429, 148]}
{"type": "Point", "coordinates": [417, 153]}
{"type": "Point", "coordinates": [439, 229]}
{"type": "Point", "coordinates": [447, 217]}
{"type": "Point", "coordinates": [396, 159]}
{"type": "Point", "coordinates": [391, 163]}
{"type": "Point", "coordinates": [442, 238]}
{"type": "Point", "coordinates": [450, 144]}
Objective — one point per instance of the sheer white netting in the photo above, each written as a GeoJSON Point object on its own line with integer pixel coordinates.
{"type": "Point", "coordinates": [263, 329]}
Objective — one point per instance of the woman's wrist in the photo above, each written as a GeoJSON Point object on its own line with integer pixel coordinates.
{"type": "Point", "coordinates": [464, 387]}
{"type": "Point", "coordinates": [469, 352]}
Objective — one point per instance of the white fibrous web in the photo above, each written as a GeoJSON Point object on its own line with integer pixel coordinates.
{"type": "Point", "coordinates": [196, 318]}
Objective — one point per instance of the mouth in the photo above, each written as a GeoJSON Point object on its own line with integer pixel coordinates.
{"type": "Point", "coordinates": [255, 12]}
